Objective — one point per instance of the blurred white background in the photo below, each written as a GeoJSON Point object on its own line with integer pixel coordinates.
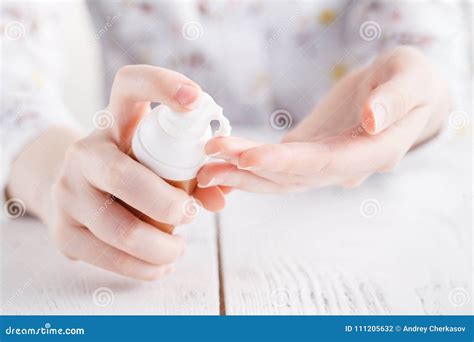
{"type": "Point", "coordinates": [417, 230]}
{"type": "Point", "coordinates": [83, 82]}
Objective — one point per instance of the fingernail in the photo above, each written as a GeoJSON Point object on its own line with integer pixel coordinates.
{"type": "Point", "coordinates": [222, 156]}
{"type": "Point", "coordinates": [215, 154]}
{"type": "Point", "coordinates": [212, 182]}
{"type": "Point", "coordinates": [187, 95]}
{"type": "Point", "coordinates": [379, 113]}
{"type": "Point", "coordinates": [247, 168]}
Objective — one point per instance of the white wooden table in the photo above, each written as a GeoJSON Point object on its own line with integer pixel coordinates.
{"type": "Point", "coordinates": [320, 252]}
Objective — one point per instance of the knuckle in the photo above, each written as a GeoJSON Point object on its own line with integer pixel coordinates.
{"type": "Point", "coordinates": [172, 211]}
{"type": "Point", "coordinates": [128, 232]}
{"type": "Point", "coordinates": [116, 172]}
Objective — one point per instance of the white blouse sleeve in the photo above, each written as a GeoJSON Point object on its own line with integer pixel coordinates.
{"type": "Point", "coordinates": [30, 76]}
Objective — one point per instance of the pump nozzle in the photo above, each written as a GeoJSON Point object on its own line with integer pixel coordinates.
{"type": "Point", "coordinates": [214, 112]}
{"type": "Point", "coordinates": [172, 143]}
{"type": "Point", "coordinates": [196, 122]}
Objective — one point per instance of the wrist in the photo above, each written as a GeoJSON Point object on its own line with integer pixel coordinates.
{"type": "Point", "coordinates": [36, 169]}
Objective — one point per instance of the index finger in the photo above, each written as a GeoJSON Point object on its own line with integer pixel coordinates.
{"type": "Point", "coordinates": [293, 157]}
{"type": "Point", "coordinates": [112, 171]}
{"type": "Point", "coordinates": [228, 148]}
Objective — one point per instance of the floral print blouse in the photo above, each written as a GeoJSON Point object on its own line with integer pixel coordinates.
{"type": "Point", "coordinates": [253, 57]}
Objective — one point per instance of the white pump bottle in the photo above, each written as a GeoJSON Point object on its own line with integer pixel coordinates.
{"type": "Point", "coordinates": [171, 143]}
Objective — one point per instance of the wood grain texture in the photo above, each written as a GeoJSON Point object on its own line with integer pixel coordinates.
{"type": "Point", "coordinates": [36, 279]}
{"type": "Point", "coordinates": [400, 244]}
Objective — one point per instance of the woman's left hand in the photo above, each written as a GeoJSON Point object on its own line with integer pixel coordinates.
{"type": "Point", "coordinates": [366, 124]}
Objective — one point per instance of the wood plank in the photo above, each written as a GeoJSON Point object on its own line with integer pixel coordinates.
{"type": "Point", "coordinates": [39, 280]}
{"type": "Point", "coordinates": [316, 253]}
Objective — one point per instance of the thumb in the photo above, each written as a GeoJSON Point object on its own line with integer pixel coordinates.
{"type": "Point", "coordinates": [135, 86]}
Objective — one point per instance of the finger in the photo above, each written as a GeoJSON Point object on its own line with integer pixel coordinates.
{"type": "Point", "coordinates": [228, 175]}
{"type": "Point", "coordinates": [225, 189]}
{"type": "Point", "coordinates": [293, 157]}
{"type": "Point", "coordinates": [80, 243]}
{"type": "Point", "coordinates": [393, 99]}
{"type": "Point", "coordinates": [228, 148]}
{"type": "Point", "coordinates": [288, 181]}
{"type": "Point", "coordinates": [135, 86]}
{"type": "Point", "coordinates": [379, 153]}
{"type": "Point", "coordinates": [212, 198]}
{"type": "Point", "coordinates": [339, 155]}
{"type": "Point", "coordinates": [114, 172]}
{"type": "Point", "coordinates": [118, 227]}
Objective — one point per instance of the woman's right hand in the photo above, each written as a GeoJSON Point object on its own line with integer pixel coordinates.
{"type": "Point", "coordinates": [90, 224]}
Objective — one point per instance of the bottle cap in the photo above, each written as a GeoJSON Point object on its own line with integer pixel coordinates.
{"type": "Point", "coordinates": [172, 144]}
